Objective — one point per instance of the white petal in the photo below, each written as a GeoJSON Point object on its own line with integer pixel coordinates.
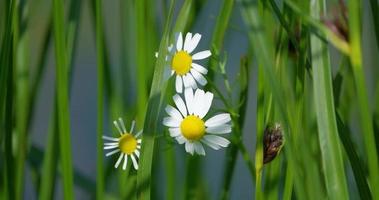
{"type": "Point", "coordinates": [135, 164]}
{"type": "Point", "coordinates": [199, 148]}
{"type": "Point", "coordinates": [110, 138]}
{"type": "Point", "coordinates": [218, 120]}
{"type": "Point", "coordinates": [187, 41]}
{"type": "Point", "coordinates": [174, 113]}
{"type": "Point", "coordinates": [198, 101]}
{"type": "Point", "coordinates": [194, 42]}
{"type": "Point", "coordinates": [208, 98]}
{"type": "Point", "coordinates": [186, 81]}
{"type": "Point", "coordinates": [201, 55]}
{"type": "Point", "coordinates": [199, 68]}
{"type": "Point", "coordinates": [111, 143]}
{"type": "Point", "coordinates": [132, 127]}
{"type": "Point", "coordinates": [210, 144]}
{"type": "Point", "coordinates": [137, 153]}
{"type": "Point", "coordinates": [180, 104]}
{"type": "Point", "coordinates": [181, 139]}
{"type": "Point", "coordinates": [171, 122]}
{"type": "Point", "coordinates": [125, 162]}
{"type": "Point", "coordinates": [192, 82]}
{"type": "Point", "coordinates": [110, 147]}
{"type": "Point", "coordinates": [122, 124]}
{"type": "Point", "coordinates": [221, 129]}
{"type": "Point", "coordinates": [138, 134]}
{"type": "Point", "coordinates": [118, 127]}
{"type": "Point", "coordinates": [112, 152]}
{"type": "Point", "coordinates": [217, 140]}
{"type": "Point", "coordinates": [179, 43]}
{"type": "Point", "coordinates": [119, 160]}
{"type": "Point", "coordinates": [198, 77]}
{"type": "Point", "coordinates": [139, 141]}
{"type": "Point", "coordinates": [188, 95]}
{"type": "Point", "coordinates": [178, 84]}
{"type": "Point", "coordinates": [174, 132]}
{"type": "Point", "coordinates": [189, 147]}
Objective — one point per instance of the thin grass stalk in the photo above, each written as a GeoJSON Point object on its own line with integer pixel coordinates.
{"type": "Point", "coordinates": [62, 93]}
{"type": "Point", "coordinates": [238, 123]}
{"type": "Point", "coordinates": [365, 116]}
{"type": "Point", "coordinates": [151, 125]}
{"type": "Point", "coordinates": [100, 100]}
{"type": "Point", "coordinates": [375, 18]}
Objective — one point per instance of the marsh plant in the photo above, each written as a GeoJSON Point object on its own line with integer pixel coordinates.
{"type": "Point", "coordinates": [189, 99]}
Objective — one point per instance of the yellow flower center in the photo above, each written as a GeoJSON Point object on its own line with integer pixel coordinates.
{"type": "Point", "coordinates": [127, 143]}
{"type": "Point", "coordinates": [192, 127]}
{"type": "Point", "coordinates": [181, 63]}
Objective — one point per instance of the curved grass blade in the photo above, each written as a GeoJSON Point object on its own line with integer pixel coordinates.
{"type": "Point", "coordinates": [151, 124]}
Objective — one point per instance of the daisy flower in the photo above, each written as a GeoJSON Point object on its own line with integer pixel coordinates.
{"type": "Point", "coordinates": [127, 144]}
{"type": "Point", "coordinates": [188, 126]}
{"type": "Point", "coordinates": [187, 72]}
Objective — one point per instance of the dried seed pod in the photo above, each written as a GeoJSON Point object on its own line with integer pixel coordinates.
{"type": "Point", "coordinates": [272, 142]}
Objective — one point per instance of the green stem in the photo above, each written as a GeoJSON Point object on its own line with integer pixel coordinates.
{"type": "Point", "coordinates": [62, 93]}
{"type": "Point", "coordinates": [365, 115]}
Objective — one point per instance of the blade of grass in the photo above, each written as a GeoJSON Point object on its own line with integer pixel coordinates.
{"type": "Point", "coordinates": [151, 124]}
{"type": "Point", "coordinates": [332, 160]}
{"type": "Point", "coordinates": [375, 18]}
{"type": "Point", "coordinates": [62, 93]}
{"type": "Point", "coordinates": [100, 100]}
{"type": "Point", "coordinates": [365, 115]}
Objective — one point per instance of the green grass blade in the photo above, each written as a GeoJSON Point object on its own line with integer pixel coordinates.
{"type": "Point", "coordinates": [375, 18]}
{"type": "Point", "coordinates": [63, 104]}
{"type": "Point", "coordinates": [100, 100]}
{"type": "Point", "coordinates": [327, 127]}
{"type": "Point", "coordinates": [365, 115]}
{"type": "Point", "coordinates": [152, 124]}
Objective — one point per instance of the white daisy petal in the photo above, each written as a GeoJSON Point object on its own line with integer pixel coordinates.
{"type": "Point", "coordinates": [138, 134]}
{"type": "Point", "coordinates": [174, 113]}
{"type": "Point", "coordinates": [207, 102]}
{"type": "Point", "coordinates": [194, 42]}
{"type": "Point", "coordinates": [186, 81]}
{"type": "Point", "coordinates": [110, 138]}
{"type": "Point", "coordinates": [201, 55]}
{"type": "Point", "coordinates": [139, 141]}
{"type": "Point", "coordinates": [174, 132]}
{"type": "Point", "coordinates": [217, 140]}
{"type": "Point", "coordinates": [135, 164]}
{"type": "Point", "coordinates": [132, 127]}
{"type": "Point", "coordinates": [119, 160]}
{"type": "Point", "coordinates": [171, 122]}
{"type": "Point", "coordinates": [180, 105]}
{"type": "Point", "coordinates": [112, 152]}
{"type": "Point", "coordinates": [188, 95]}
{"type": "Point", "coordinates": [178, 84]}
{"type": "Point", "coordinates": [218, 120]}
{"type": "Point", "coordinates": [199, 149]}
{"type": "Point", "coordinates": [198, 77]}
{"type": "Point", "coordinates": [199, 68]}
{"type": "Point", "coordinates": [122, 125]}
{"type": "Point", "coordinates": [137, 153]}
{"type": "Point", "coordinates": [181, 139]}
{"type": "Point", "coordinates": [198, 101]}
{"type": "Point", "coordinates": [189, 147]}
{"type": "Point", "coordinates": [110, 147]}
{"type": "Point", "coordinates": [111, 143]}
{"type": "Point", "coordinates": [221, 129]}
{"type": "Point", "coordinates": [125, 162]}
{"type": "Point", "coordinates": [211, 145]}
{"type": "Point", "coordinates": [187, 41]}
{"type": "Point", "coordinates": [118, 127]}
{"type": "Point", "coordinates": [192, 82]}
{"type": "Point", "coordinates": [179, 43]}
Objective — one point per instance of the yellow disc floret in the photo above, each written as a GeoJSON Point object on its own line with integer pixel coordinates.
{"type": "Point", "coordinates": [192, 128]}
{"type": "Point", "coordinates": [181, 63]}
{"type": "Point", "coordinates": [127, 143]}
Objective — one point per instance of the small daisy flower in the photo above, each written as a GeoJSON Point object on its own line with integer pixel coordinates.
{"type": "Point", "coordinates": [128, 144]}
{"type": "Point", "coordinates": [187, 72]}
{"type": "Point", "coordinates": [188, 126]}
